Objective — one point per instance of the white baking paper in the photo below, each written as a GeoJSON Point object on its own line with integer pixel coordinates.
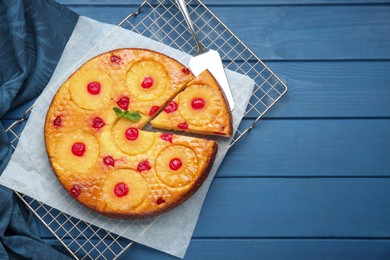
{"type": "Point", "coordinates": [30, 173]}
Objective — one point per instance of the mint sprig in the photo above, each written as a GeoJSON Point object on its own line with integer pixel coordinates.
{"type": "Point", "coordinates": [130, 115]}
{"type": "Point", "coordinates": [118, 112]}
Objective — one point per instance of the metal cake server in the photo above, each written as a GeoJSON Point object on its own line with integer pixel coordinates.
{"type": "Point", "coordinates": [206, 59]}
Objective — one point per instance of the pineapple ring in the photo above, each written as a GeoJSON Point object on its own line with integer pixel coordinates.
{"type": "Point", "coordinates": [71, 162]}
{"type": "Point", "coordinates": [186, 172]}
{"type": "Point", "coordinates": [132, 147]}
{"type": "Point", "coordinates": [78, 84]}
{"type": "Point", "coordinates": [208, 113]}
{"type": "Point", "coordinates": [147, 69]}
{"type": "Point", "coordinates": [137, 189]}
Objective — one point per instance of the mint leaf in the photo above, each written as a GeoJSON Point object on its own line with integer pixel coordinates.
{"type": "Point", "coordinates": [118, 112]}
{"type": "Point", "coordinates": [132, 116]}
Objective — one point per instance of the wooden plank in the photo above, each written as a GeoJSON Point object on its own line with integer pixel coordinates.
{"type": "Point", "coordinates": [295, 32]}
{"type": "Point", "coordinates": [325, 89]}
{"type": "Point", "coordinates": [272, 249]}
{"type": "Point", "coordinates": [333, 89]}
{"type": "Point", "coordinates": [311, 32]}
{"type": "Point", "coordinates": [266, 249]}
{"type": "Point", "coordinates": [321, 90]}
{"type": "Point", "coordinates": [311, 148]}
{"type": "Point", "coordinates": [294, 208]}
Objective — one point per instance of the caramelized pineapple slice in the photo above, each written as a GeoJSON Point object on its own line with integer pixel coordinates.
{"type": "Point", "coordinates": [124, 189]}
{"type": "Point", "coordinates": [199, 104]}
{"type": "Point", "coordinates": [147, 80]}
{"type": "Point", "coordinates": [76, 151]}
{"type": "Point", "coordinates": [90, 88]}
{"type": "Point", "coordinates": [130, 139]}
{"type": "Point", "coordinates": [177, 166]}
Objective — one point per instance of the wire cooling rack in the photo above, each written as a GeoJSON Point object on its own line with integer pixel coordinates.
{"type": "Point", "coordinates": [161, 21]}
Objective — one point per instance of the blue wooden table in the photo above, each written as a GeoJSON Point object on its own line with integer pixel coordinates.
{"type": "Point", "coordinates": [321, 188]}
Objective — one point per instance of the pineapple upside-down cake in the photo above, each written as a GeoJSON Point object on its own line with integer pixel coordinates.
{"type": "Point", "coordinates": [96, 145]}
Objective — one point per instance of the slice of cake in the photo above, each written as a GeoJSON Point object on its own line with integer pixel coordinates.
{"type": "Point", "coordinates": [201, 108]}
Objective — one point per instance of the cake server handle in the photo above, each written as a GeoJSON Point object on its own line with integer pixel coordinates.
{"type": "Point", "coordinates": [183, 9]}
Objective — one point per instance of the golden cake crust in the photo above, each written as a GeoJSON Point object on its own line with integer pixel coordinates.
{"type": "Point", "coordinates": [108, 163]}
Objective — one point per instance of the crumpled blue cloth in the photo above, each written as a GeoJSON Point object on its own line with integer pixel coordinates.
{"type": "Point", "coordinates": [33, 34]}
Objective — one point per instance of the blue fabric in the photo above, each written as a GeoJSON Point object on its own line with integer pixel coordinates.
{"type": "Point", "coordinates": [33, 35]}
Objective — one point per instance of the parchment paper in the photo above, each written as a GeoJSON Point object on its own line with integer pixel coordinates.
{"type": "Point", "coordinates": [30, 173]}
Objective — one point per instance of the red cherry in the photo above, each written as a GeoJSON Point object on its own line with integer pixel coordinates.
{"type": "Point", "coordinates": [153, 110]}
{"type": "Point", "coordinates": [109, 161]}
{"type": "Point", "coordinates": [124, 103]}
{"type": "Point", "coordinates": [147, 82]}
{"type": "Point", "coordinates": [167, 137]}
{"type": "Point", "coordinates": [115, 59]}
{"type": "Point", "coordinates": [185, 70]}
{"type": "Point", "coordinates": [75, 191]}
{"type": "Point", "coordinates": [78, 149]}
{"type": "Point", "coordinates": [143, 166]}
{"type": "Point", "coordinates": [160, 201]}
{"type": "Point", "coordinates": [175, 164]}
{"type": "Point", "coordinates": [198, 103]}
{"type": "Point", "coordinates": [57, 121]}
{"type": "Point", "coordinates": [131, 134]}
{"type": "Point", "coordinates": [97, 123]}
{"type": "Point", "coordinates": [121, 189]}
{"type": "Point", "coordinates": [93, 88]}
{"type": "Point", "coordinates": [171, 107]}
{"type": "Point", "coordinates": [183, 125]}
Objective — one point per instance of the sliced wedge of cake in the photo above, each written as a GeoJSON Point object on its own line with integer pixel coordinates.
{"type": "Point", "coordinates": [200, 108]}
